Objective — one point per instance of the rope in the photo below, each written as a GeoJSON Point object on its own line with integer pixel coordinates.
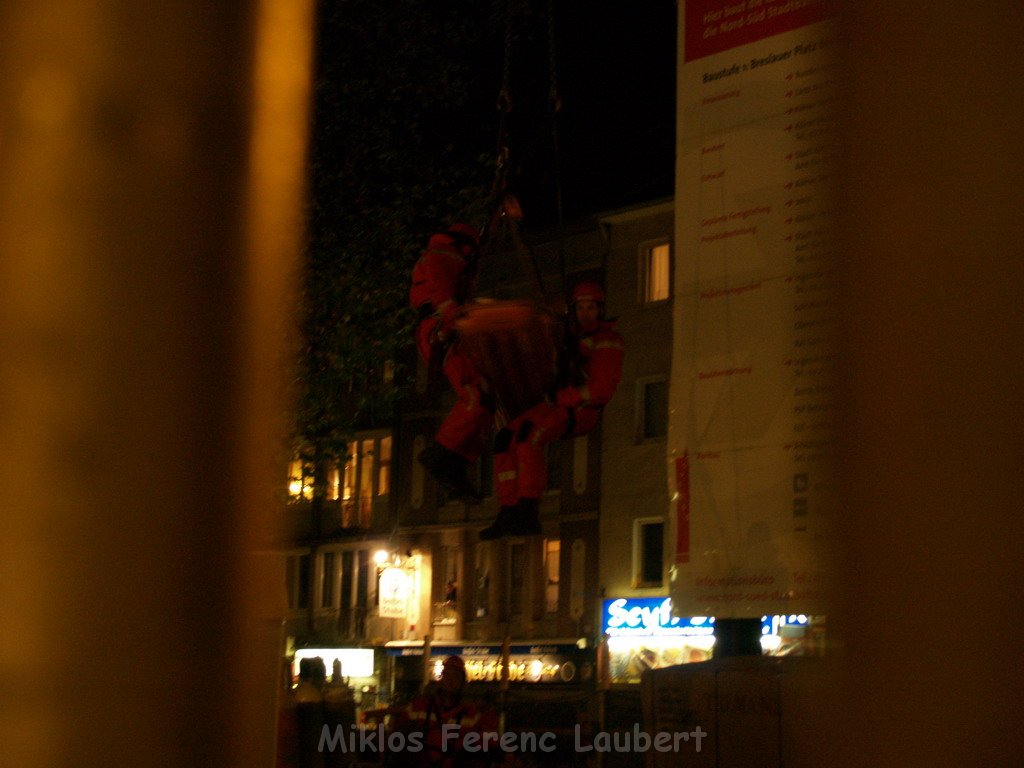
{"type": "Point", "coordinates": [556, 108]}
{"type": "Point", "coordinates": [504, 106]}
{"type": "Point", "coordinates": [497, 195]}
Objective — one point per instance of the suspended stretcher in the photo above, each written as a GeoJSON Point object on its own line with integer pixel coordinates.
{"type": "Point", "coordinates": [515, 346]}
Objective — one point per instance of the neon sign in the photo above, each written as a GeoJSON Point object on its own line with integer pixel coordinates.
{"type": "Point", "coordinates": [650, 616]}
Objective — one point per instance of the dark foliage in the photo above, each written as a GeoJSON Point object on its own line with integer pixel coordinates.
{"type": "Point", "coordinates": [404, 138]}
{"type": "Point", "coordinates": [398, 149]}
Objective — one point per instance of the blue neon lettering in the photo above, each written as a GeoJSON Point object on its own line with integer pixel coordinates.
{"type": "Point", "coordinates": [641, 616]}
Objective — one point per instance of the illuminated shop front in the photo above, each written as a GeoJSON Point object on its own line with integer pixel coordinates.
{"type": "Point", "coordinates": [356, 663]}
{"type": "Point", "coordinates": [357, 669]}
{"type": "Point", "coordinates": [529, 663]}
{"type": "Point", "coordinates": [793, 635]}
{"type": "Point", "coordinates": [643, 634]}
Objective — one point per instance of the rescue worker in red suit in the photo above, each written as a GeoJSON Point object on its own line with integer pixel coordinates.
{"type": "Point", "coordinates": [440, 284]}
{"type": "Point", "coordinates": [444, 719]}
{"type": "Point", "coordinates": [519, 468]}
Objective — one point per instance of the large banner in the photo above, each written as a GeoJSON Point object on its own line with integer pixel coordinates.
{"type": "Point", "coordinates": [751, 405]}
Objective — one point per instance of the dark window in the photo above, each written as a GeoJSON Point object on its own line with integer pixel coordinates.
{"type": "Point", "coordinates": [517, 568]}
{"type": "Point", "coordinates": [655, 407]}
{"type": "Point", "coordinates": [652, 537]}
{"type": "Point", "coordinates": [303, 585]}
{"type": "Point", "coordinates": [345, 613]}
{"type": "Point", "coordinates": [327, 581]}
{"type": "Point", "coordinates": [363, 578]}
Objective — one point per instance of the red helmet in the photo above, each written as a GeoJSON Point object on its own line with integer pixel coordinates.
{"type": "Point", "coordinates": [588, 290]}
{"type": "Point", "coordinates": [454, 664]}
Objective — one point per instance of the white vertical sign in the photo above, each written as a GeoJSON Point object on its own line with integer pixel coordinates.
{"type": "Point", "coordinates": [394, 594]}
{"type": "Point", "coordinates": [750, 403]}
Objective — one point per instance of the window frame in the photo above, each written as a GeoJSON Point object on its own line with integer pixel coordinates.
{"type": "Point", "coordinates": [298, 483]}
{"type": "Point", "coordinates": [639, 524]}
{"type": "Point", "coordinates": [552, 589]}
{"type": "Point", "coordinates": [640, 408]}
{"type": "Point", "coordinates": [294, 587]}
{"type": "Point", "coordinates": [357, 509]}
{"type": "Point", "coordinates": [644, 251]}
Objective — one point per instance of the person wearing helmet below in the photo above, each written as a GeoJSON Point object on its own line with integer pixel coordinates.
{"type": "Point", "coordinates": [441, 283]}
{"type": "Point", "coordinates": [444, 718]}
{"type": "Point", "coordinates": [519, 466]}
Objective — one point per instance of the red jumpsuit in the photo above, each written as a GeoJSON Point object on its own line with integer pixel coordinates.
{"type": "Point", "coordinates": [439, 285]}
{"type": "Point", "coordinates": [519, 467]}
{"type": "Point", "coordinates": [429, 716]}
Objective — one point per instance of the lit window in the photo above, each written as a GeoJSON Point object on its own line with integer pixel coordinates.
{"type": "Point", "coordinates": [300, 484]}
{"type": "Point", "coordinates": [483, 585]}
{"type": "Point", "coordinates": [348, 493]}
{"type": "Point", "coordinates": [366, 466]}
{"type": "Point", "coordinates": [655, 270]}
{"type": "Point", "coordinates": [652, 408]}
{"type": "Point", "coordinates": [367, 476]}
{"type": "Point", "coordinates": [384, 462]}
{"type": "Point", "coordinates": [300, 481]}
{"type": "Point", "coordinates": [648, 552]}
{"type": "Point", "coordinates": [333, 483]}
{"type": "Point", "coordinates": [552, 552]}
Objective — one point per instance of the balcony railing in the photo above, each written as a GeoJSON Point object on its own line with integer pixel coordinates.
{"type": "Point", "coordinates": [444, 614]}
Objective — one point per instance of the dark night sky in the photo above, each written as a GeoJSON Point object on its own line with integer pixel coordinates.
{"type": "Point", "coordinates": [441, 63]}
{"type": "Point", "coordinates": [616, 78]}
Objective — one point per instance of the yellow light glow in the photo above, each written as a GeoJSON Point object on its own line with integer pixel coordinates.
{"type": "Point", "coordinates": [355, 662]}
{"type": "Point", "coordinates": [703, 642]}
{"type": "Point", "coordinates": [536, 669]}
{"type": "Point", "coordinates": [380, 556]}
{"type": "Point", "coordinates": [298, 484]}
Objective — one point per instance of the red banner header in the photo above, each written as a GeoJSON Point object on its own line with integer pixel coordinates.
{"type": "Point", "coordinates": [713, 26]}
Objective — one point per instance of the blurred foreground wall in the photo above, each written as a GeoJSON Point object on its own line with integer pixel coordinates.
{"type": "Point", "coordinates": [931, 244]}
{"type": "Point", "coordinates": [150, 182]}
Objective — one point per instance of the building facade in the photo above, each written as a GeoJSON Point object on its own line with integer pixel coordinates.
{"type": "Point", "coordinates": [388, 536]}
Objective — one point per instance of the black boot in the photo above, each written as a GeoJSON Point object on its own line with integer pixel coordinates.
{"type": "Point", "coordinates": [449, 470]}
{"type": "Point", "coordinates": [526, 520]}
{"type": "Point", "coordinates": [497, 529]}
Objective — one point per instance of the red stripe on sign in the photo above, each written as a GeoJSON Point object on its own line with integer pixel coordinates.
{"type": "Point", "coordinates": [713, 26]}
{"type": "Point", "coordinates": [683, 509]}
